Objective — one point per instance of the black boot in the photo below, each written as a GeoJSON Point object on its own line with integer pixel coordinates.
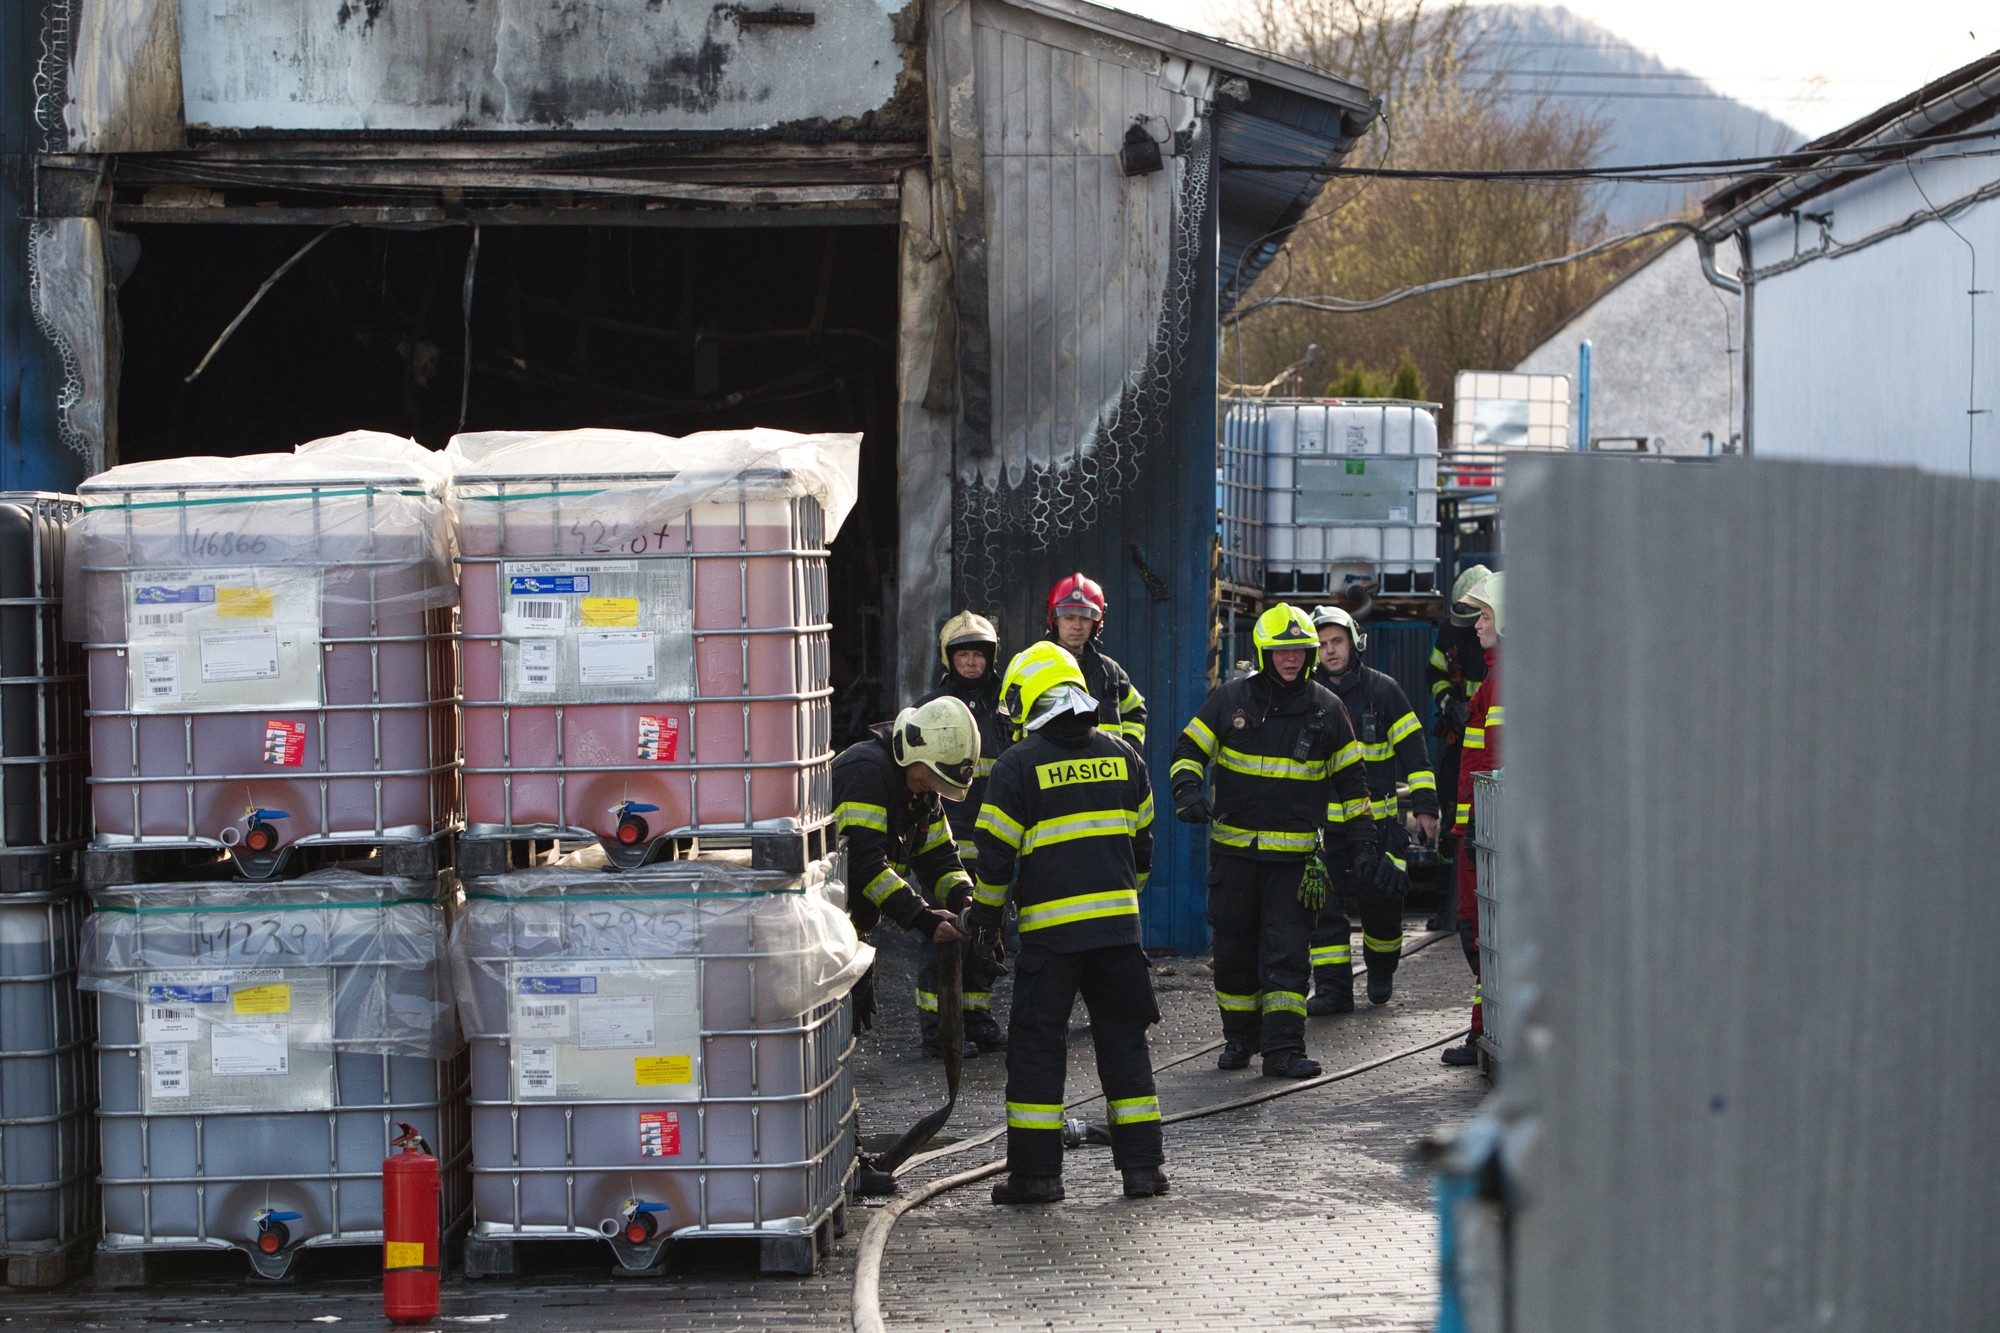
{"type": "Point", "coordinates": [869, 1182]}
{"type": "Point", "coordinates": [1330, 998]}
{"type": "Point", "coordinates": [1465, 1053]}
{"type": "Point", "coordinates": [1234, 1055]}
{"type": "Point", "coordinates": [1019, 1188]}
{"type": "Point", "coordinates": [1381, 985]}
{"type": "Point", "coordinates": [1290, 1064]}
{"type": "Point", "coordinates": [1143, 1182]}
{"type": "Point", "coordinates": [983, 1032]}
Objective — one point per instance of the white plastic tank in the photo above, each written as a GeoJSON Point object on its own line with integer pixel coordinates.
{"type": "Point", "coordinates": [258, 1046]}
{"type": "Point", "coordinates": [666, 1048]}
{"type": "Point", "coordinates": [1349, 493]}
{"type": "Point", "coordinates": [645, 633]}
{"type": "Point", "coordinates": [270, 649]}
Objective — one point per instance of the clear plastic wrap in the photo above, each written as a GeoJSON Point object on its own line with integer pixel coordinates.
{"type": "Point", "coordinates": [612, 492]}
{"type": "Point", "coordinates": [770, 946]}
{"type": "Point", "coordinates": [362, 516]}
{"type": "Point", "coordinates": [345, 961]}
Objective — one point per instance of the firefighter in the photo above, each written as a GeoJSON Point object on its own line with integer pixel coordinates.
{"type": "Point", "coordinates": [1456, 667]}
{"type": "Point", "coordinates": [1392, 751]}
{"type": "Point", "coordinates": [1482, 753]}
{"type": "Point", "coordinates": [1068, 819]}
{"type": "Point", "coordinates": [969, 646]}
{"type": "Point", "coordinates": [1288, 773]}
{"type": "Point", "coordinates": [1076, 619]}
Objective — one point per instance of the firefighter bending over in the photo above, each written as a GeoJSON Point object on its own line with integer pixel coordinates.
{"type": "Point", "coordinates": [1288, 771]}
{"type": "Point", "coordinates": [1069, 820]}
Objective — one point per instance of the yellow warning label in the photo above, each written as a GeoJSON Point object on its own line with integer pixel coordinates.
{"type": "Point", "coordinates": [1079, 770]}
{"type": "Point", "coordinates": [402, 1254]}
{"type": "Point", "coordinates": [244, 603]}
{"type": "Point", "coordinates": [611, 612]}
{"type": "Point", "coordinates": [272, 999]}
{"type": "Point", "coordinates": [652, 1070]}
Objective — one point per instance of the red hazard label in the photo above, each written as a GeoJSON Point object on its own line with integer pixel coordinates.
{"type": "Point", "coordinates": [659, 738]}
{"type": "Point", "coordinates": [659, 1133]}
{"type": "Point", "coordinates": [285, 743]}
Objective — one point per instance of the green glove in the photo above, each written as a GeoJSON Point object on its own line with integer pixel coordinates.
{"type": "Point", "coordinates": [1312, 884]}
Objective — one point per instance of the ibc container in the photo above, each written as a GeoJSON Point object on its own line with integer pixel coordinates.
{"type": "Point", "coordinates": [1488, 803]}
{"type": "Point", "coordinates": [645, 634]}
{"type": "Point", "coordinates": [667, 1047]}
{"type": "Point", "coordinates": [1350, 494]}
{"type": "Point", "coordinates": [43, 755]}
{"type": "Point", "coordinates": [48, 1151]}
{"type": "Point", "coordinates": [258, 1046]}
{"type": "Point", "coordinates": [271, 661]}
{"type": "Point", "coordinates": [1239, 494]}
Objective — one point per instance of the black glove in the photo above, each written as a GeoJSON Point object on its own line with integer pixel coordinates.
{"type": "Point", "coordinates": [864, 1001]}
{"type": "Point", "coordinates": [990, 948]}
{"type": "Point", "coordinates": [1191, 804]}
{"type": "Point", "coordinates": [1390, 879]}
{"type": "Point", "coordinates": [1362, 859]}
{"type": "Point", "coordinates": [1451, 714]}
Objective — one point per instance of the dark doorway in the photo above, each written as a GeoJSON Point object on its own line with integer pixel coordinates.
{"type": "Point", "coordinates": [670, 329]}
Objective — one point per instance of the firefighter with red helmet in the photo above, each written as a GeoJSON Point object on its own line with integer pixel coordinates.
{"type": "Point", "coordinates": [1289, 779]}
{"type": "Point", "coordinates": [1076, 620]}
{"type": "Point", "coordinates": [969, 647]}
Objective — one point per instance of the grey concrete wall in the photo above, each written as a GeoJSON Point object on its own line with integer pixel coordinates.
{"type": "Point", "coordinates": [1750, 745]}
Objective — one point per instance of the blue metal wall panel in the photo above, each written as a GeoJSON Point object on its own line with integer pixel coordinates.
{"type": "Point", "coordinates": [31, 452]}
{"type": "Point", "coordinates": [1403, 650]}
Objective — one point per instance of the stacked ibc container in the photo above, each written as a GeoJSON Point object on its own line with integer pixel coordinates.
{"type": "Point", "coordinates": [660, 1042]}
{"type": "Point", "coordinates": [273, 744]}
{"type": "Point", "coordinates": [259, 1045]}
{"type": "Point", "coordinates": [47, 1088]}
{"type": "Point", "coordinates": [271, 661]}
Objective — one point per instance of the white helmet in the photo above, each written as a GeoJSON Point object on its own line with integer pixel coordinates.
{"type": "Point", "coordinates": [941, 736]}
{"type": "Point", "coordinates": [1333, 615]}
{"type": "Point", "coordinates": [1490, 594]}
{"type": "Point", "coordinates": [1471, 577]}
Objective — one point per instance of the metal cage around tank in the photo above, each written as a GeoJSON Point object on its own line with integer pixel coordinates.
{"type": "Point", "coordinates": [1488, 812]}
{"type": "Point", "coordinates": [44, 754]}
{"type": "Point", "coordinates": [346, 733]}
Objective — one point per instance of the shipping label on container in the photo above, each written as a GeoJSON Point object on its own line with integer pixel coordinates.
{"type": "Point", "coordinates": [659, 738]}
{"type": "Point", "coordinates": [237, 1039]}
{"type": "Point", "coordinates": [659, 1133]}
{"type": "Point", "coordinates": [604, 1030]}
{"type": "Point", "coordinates": [222, 638]}
{"type": "Point", "coordinates": [1333, 491]}
{"type": "Point", "coordinates": [597, 631]}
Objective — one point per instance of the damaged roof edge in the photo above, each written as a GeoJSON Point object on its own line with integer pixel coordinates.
{"type": "Point", "coordinates": [1223, 55]}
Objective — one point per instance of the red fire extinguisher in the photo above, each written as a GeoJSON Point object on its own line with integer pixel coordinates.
{"type": "Point", "coordinates": [410, 1230]}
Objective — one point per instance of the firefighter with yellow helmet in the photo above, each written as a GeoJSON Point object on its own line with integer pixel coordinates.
{"type": "Point", "coordinates": [1288, 777]}
{"type": "Point", "coordinates": [969, 647]}
{"type": "Point", "coordinates": [1068, 821]}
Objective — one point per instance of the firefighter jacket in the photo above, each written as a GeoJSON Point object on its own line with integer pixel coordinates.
{"type": "Point", "coordinates": [893, 835]}
{"type": "Point", "coordinates": [1121, 709]}
{"type": "Point", "coordinates": [1392, 740]}
{"type": "Point", "coordinates": [1482, 738]}
{"type": "Point", "coordinates": [1287, 767]}
{"type": "Point", "coordinates": [1069, 819]}
{"type": "Point", "coordinates": [1457, 662]}
{"type": "Point", "coordinates": [982, 696]}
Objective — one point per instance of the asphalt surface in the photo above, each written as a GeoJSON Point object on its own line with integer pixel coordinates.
{"type": "Point", "coordinates": [1301, 1212]}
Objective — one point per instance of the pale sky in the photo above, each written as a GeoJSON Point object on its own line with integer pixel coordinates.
{"type": "Point", "coordinates": [1815, 66]}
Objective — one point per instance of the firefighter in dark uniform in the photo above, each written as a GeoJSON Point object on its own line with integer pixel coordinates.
{"type": "Point", "coordinates": [1076, 620]}
{"type": "Point", "coordinates": [1392, 751]}
{"type": "Point", "coordinates": [1288, 773]}
{"type": "Point", "coordinates": [1068, 819]}
{"type": "Point", "coordinates": [1456, 667]}
{"type": "Point", "coordinates": [969, 646]}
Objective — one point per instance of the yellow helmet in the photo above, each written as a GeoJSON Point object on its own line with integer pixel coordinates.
{"type": "Point", "coordinates": [1037, 670]}
{"type": "Point", "coordinates": [968, 629]}
{"type": "Point", "coordinates": [1489, 594]}
{"type": "Point", "coordinates": [941, 736]}
{"type": "Point", "coordinates": [1283, 626]}
{"type": "Point", "coordinates": [1462, 585]}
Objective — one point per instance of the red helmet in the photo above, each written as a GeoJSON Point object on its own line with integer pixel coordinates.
{"type": "Point", "coordinates": [1076, 596]}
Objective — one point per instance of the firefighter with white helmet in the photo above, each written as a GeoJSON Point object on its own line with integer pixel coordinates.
{"type": "Point", "coordinates": [1483, 721]}
{"type": "Point", "coordinates": [1288, 777]}
{"type": "Point", "coordinates": [1076, 613]}
{"type": "Point", "coordinates": [1392, 752]}
{"type": "Point", "coordinates": [969, 648]}
{"type": "Point", "coordinates": [1068, 822]}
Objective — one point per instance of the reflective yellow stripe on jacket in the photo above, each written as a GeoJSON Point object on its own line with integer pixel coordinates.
{"type": "Point", "coordinates": [1083, 907]}
{"type": "Point", "coordinates": [1268, 840]}
{"type": "Point", "coordinates": [862, 813]}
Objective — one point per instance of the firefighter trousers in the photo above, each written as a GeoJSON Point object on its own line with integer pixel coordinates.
{"type": "Point", "coordinates": [1381, 917]}
{"type": "Point", "coordinates": [1117, 989]}
{"type": "Point", "coordinates": [1261, 950]}
{"type": "Point", "coordinates": [1468, 920]}
{"type": "Point", "coordinates": [975, 976]}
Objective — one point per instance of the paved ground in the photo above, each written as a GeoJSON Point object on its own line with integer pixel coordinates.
{"type": "Point", "coordinates": [1299, 1213]}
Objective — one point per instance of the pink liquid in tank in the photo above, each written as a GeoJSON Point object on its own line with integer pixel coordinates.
{"type": "Point", "coordinates": [748, 751]}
